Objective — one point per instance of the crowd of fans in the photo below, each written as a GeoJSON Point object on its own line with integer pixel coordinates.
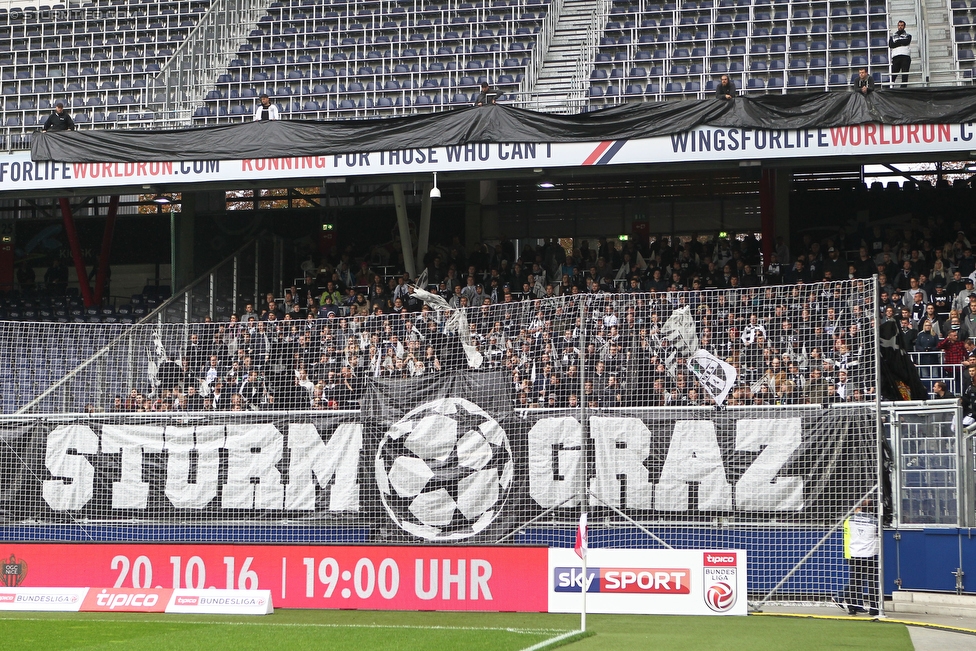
{"type": "Point", "coordinates": [585, 326]}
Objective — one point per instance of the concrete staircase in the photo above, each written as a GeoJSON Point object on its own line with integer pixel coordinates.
{"type": "Point", "coordinates": [565, 68]}
{"type": "Point", "coordinates": [938, 31]}
{"type": "Point", "coordinates": [933, 603]}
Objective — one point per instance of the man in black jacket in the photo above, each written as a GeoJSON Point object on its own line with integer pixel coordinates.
{"type": "Point", "coordinates": [725, 90]}
{"type": "Point", "coordinates": [901, 60]}
{"type": "Point", "coordinates": [486, 96]}
{"type": "Point", "coordinates": [59, 120]}
{"type": "Point", "coordinates": [864, 83]}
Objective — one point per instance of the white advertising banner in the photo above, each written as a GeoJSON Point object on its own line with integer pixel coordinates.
{"type": "Point", "coordinates": [703, 144]}
{"type": "Point", "coordinates": [42, 599]}
{"type": "Point", "coordinates": [649, 581]}
{"type": "Point", "coordinates": [221, 602]}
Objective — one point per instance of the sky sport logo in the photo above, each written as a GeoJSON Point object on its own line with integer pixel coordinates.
{"type": "Point", "coordinates": [623, 580]}
{"type": "Point", "coordinates": [719, 577]}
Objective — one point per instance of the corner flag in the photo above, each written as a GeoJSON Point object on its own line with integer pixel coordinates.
{"type": "Point", "coordinates": [581, 537]}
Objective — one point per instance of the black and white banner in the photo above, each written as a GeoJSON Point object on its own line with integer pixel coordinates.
{"type": "Point", "coordinates": [449, 459]}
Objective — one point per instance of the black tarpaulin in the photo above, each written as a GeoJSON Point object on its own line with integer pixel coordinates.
{"type": "Point", "coordinates": [499, 123]}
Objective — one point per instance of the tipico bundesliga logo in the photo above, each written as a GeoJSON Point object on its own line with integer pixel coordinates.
{"type": "Point", "coordinates": [719, 576]}
{"type": "Point", "coordinates": [14, 571]}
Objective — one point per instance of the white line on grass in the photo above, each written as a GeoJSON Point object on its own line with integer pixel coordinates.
{"type": "Point", "coordinates": [545, 644]}
{"type": "Point", "coordinates": [520, 631]}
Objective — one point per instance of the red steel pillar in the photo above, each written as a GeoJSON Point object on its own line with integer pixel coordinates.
{"type": "Point", "coordinates": [69, 229]}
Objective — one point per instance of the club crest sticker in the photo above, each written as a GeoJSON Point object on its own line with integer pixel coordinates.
{"type": "Point", "coordinates": [14, 571]}
{"type": "Point", "coordinates": [719, 577]}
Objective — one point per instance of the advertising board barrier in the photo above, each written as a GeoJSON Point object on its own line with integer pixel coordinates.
{"type": "Point", "coordinates": [300, 576]}
{"type": "Point", "coordinates": [650, 582]}
{"type": "Point", "coordinates": [152, 578]}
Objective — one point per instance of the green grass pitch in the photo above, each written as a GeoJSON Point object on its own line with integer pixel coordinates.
{"type": "Point", "coordinates": [300, 630]}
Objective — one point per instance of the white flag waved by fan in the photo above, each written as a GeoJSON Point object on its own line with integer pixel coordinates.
{"type": "Point", "coordinates": [679, 330]}
{"type": "Point", "coordinates": [716, 376]}
{"type": "Point", "coordinates": [456, 321]}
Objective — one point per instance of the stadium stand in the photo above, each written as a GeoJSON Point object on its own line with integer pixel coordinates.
{"type": "Point", "coordinates": [825, 330]}
{"type": "Point", "coordinates": [355, 58]}
{"type": "Point", "coordinates": [820, 43]}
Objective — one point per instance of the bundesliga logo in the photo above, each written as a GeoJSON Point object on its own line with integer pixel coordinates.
{"type": "Point", "coordinates": [719, 576]}
{"type": "Point", "coordinates": [14, 571]}
{"type": "Point", "coordinates": [444, 470]}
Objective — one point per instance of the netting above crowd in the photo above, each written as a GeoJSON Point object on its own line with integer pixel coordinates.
{"type": "Point", "coordinates": [567, 332]}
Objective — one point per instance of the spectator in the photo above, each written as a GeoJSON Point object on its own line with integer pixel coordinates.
{"type": "Point", "coordinates": [56, 278]}
{"type": "Point", "coordinates": [901, 54]}
{"type": "Point", "coordinates": [265, 110]}
{"type": "Point", "coordinates": [725, 89]}
{"type": "Point", "coordinates": [953, 351]}
{"type": "Point", "coordinates": [941, 391]}
{"type": "Point", "coordinates": [969, 397]}
{"type": "Point", "coordinates": [58, 120]}
{"type": "Point", "coordinates": [863, 83]}
{"type": "Point", "coordinates": [486, 96]}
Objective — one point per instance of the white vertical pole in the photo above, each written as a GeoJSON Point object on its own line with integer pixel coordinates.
{"type": "Point", "coordinates": [879, 442]}
{"type": "Point", "coordinates": [585, 586]}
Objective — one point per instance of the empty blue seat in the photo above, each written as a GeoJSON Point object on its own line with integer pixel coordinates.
{"type": "Point", "coordinates": [755, 83]}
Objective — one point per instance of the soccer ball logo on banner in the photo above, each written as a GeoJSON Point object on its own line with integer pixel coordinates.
{"type": "Point", "coordinates": [444, 470]}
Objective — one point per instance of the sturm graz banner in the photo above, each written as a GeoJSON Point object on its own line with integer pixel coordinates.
{"type": "Point", "coordinates": [440, 459]}
{"type": "Point", "coordinates": [448, 457]}
{"type": "Point", "coordinates": [809, 465]}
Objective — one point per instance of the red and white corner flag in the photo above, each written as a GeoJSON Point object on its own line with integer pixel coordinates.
{"type": "Point", "coordinates": [580, 546]}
